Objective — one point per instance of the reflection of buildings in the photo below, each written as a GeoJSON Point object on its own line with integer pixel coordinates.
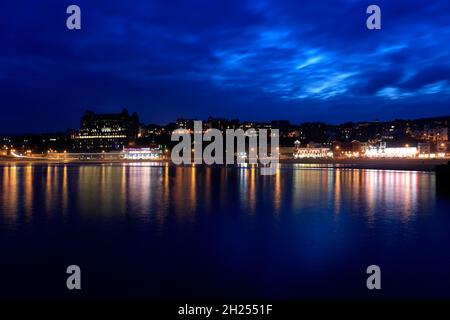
{"type": "Point", "coordinates": [106, 131]}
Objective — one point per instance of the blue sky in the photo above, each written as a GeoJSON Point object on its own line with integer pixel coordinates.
{"type": "Point", "coordinates": [261, 60]}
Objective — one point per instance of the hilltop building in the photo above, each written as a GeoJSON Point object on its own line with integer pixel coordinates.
{"type": "Point", "coordinates": [106, 132]}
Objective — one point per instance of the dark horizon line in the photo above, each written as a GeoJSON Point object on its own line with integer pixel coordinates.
{"type": "Point", "coordinates": [4, 135]}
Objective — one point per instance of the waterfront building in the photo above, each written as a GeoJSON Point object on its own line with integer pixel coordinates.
{"type": "Point", "coordinates": [358, 148]}
{"type": "Point", "coordinates": [312, 150]}
{"type": "Point", "coordinates": [442, 146]}
{"type": "Point", "coordinates": [391, 152]}
{"type": "Point", "coordinates": [424, 148]}
{"type": "Point", "coordinates": [143, 153]}
{"type": "Point", "coordinates": [428, 150]}
{"type": "Point", "coordinates": [106, 131]}
{"type": "Point", "coordinates": [302, 153]}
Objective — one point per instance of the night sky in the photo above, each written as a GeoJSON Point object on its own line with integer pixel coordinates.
{"type": "Point", "coordinates": [299, 60]}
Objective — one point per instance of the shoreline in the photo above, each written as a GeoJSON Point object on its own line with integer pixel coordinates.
{"type": "Point", "coordinates": [375, 164]}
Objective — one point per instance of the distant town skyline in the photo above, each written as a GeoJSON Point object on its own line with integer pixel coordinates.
{"type": "Point", "coordinates": [206, 118]}
{"type": "Point", "coordinates": [252, 60]}
{"type": "Point", "coordinates": [441, 120]}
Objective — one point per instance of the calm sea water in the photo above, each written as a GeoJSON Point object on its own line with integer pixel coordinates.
{"type": "Point", "coordinates": [149, 231]}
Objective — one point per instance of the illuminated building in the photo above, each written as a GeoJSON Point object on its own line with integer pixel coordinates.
{"type": "Point", "coordinates": [147, 153]}
{"type": "Point", "coordinates": [424, 148]}
{"type": "Point", "coordinates": [442, 146]}
{"type": "Point", "coordinates": [436, 134]}
{"type": "Point", "coordinates": [187, 125]}
{"type": "Point", "coordinates": [311, 151]}
{"type": "Point", "coordinates": [438, 151]}
{"type": "Point", "coordinates": [106, 131]}
{"type": "Point", "coordinates": [397, 152]}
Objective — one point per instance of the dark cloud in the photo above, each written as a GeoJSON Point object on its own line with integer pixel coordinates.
{"type": "Point", "coordinates": [426, 76]}
{"type": "Point", "coordinates": [374, 80]}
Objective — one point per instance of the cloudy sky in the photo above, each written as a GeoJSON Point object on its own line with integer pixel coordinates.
{"type": "Point", "coordinates": [270, 59]}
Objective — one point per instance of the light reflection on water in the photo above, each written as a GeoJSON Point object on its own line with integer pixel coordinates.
{"type": "Point", "coordinates": [149, 192]}
{"type": "Point", "coordinates": [303, 218]}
